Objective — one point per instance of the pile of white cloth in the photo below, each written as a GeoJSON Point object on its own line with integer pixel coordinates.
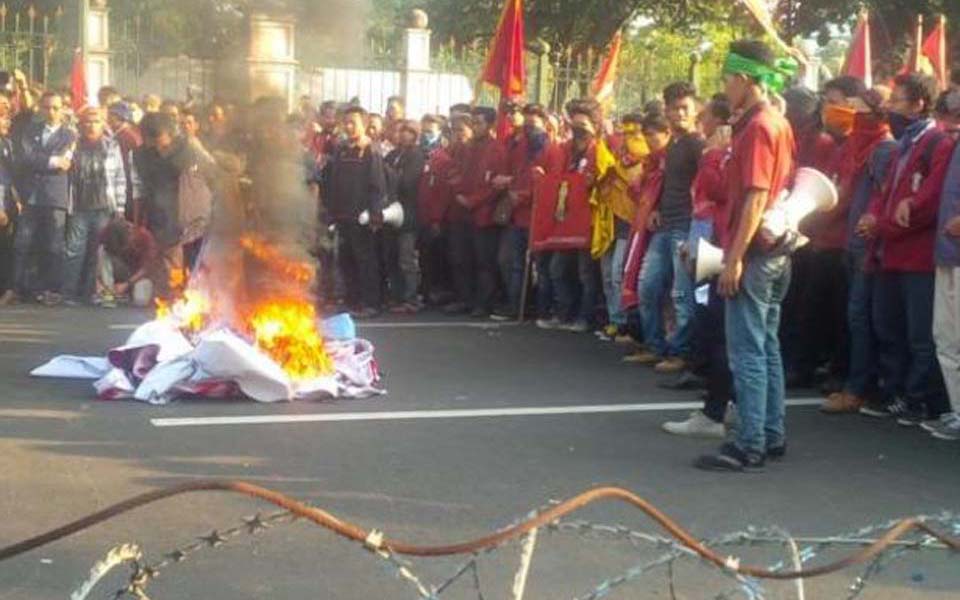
{"type": "Point", "coordinates": [158, 364]}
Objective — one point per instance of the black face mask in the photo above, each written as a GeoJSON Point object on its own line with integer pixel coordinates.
{"type": "Point", "coordinates": [900, 123]}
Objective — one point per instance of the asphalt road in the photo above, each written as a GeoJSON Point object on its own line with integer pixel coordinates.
{"type": "Point", "coordinates": [64, 454]}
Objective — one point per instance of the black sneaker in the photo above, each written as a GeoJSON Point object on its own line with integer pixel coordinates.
{"type": "Point", "coordinates": [731, 459]}
{"type": "Point", "coordinates": [877, 409]}
{"type": "Point", "coordinates": [908, 414]}
{"type": "Point", "coordinates": [777, 453]}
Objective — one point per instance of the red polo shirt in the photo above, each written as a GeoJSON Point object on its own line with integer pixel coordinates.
{"type": "Point", "coordinates": [762, 157]}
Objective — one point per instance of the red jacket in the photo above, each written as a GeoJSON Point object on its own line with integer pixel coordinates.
{"type": "Point", "coordinates": [486, 159]}
{"type": "Point", "coordinates": [525, 173]}
{"type": "Point", "coordinates": [435, 195]}
{"type": "Point", "coordinates": [910, 249]}
{"type": "Point", "coordinates": [709, 185]}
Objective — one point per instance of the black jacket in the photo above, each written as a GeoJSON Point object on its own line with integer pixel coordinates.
{"type": "Point", "coordinates": [354, 180]}
{"type": "Point", "coordinates": [405, 166]}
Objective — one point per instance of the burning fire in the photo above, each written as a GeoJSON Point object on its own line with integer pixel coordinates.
{"type": "Point", "coordinates": [287, 331]}
{"type": "Point", "coordinates": [284, 328]}
{"type": "Point", "coordinates": [300, 272]}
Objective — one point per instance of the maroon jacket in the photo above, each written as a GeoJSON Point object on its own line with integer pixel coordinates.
{"type": "Point", "coordinates": [434, 196]}
{"type": "Point", "coordinates": [525, 173]}
{"type": "Point", "coordinates": [910, 249]}
{"type": "Point", "coordinates": [486, 159]}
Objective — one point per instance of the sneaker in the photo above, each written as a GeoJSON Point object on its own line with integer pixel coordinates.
{"type": "Point", "coordinates": [623, 338]}
{"type": "Point", "coordinates": [479, 313]}
{"type": "Point", "coordinates": [777, 453]}
{"type": "Point", "coordinates": [502, 315]}
{"type": "Point", "coordinates": [577, 327]}
{"type": "Point", "coordinates": [50, 299]}
{"type": "Point", "coordinates": [842, 403]}
{"type": "Point", "coordinates": [549, 324]}
{"type": "Point", "coordinates": [608, 333]}
{"type": "Point", "coordinates": [8, 298]}
{"type": "Point", "coordinates": [876, 409]}
{"type": "Point", "coordinates": [697, 425]}
{"type": "Point", "coordinates": [731, 459]}
{"type": "Point", "coordinates": [906, 414]}
{"type": "Point", "coordinates": [934, 424]}
{"type": "Point", "coordinates": [685, 381]}
{"type": "Point", "coordinates": [365, 313]}
{"type": "Point", "coordinates": [671, 365]}
{"type": "Point", "coordinates": [643, 357]}
{"type": "Point", "coordinates": [948, 429]}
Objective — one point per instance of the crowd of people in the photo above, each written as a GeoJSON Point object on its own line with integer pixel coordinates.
{"type": "Point", "coordinates": [444, 213]}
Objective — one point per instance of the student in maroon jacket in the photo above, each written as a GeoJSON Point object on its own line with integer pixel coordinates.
{"type": "Point", "coordinates": [433, 201]}
{"type": "Point", "coordinates": [459, 221]}
{"type": "Point", "coordinates": [531, 158]}
{"type": "Point", "coordinates": [901, 223]}
{"type": "Point", "coordinates": [487, 160]}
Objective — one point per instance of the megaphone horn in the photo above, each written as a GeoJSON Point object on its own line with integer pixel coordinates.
{"type": "Point", "coordinates": [364, 218]}
{"type": "Point", "coordinates": [812, 192]}
{"type": "Point", "coordinates": [393, 215]}
{"type": "Point", "coordinates": [709, 261]}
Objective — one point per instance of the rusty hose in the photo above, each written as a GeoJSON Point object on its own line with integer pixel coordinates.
{"type": "Point", "coordinates": [358, 534]}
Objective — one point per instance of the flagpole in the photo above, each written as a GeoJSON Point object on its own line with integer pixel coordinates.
{"type": "Point", "coordinates": [942, 53]}
{"type": "Point", "coordinates": [867, 50]}
{"type": "Point", "coordinates": [918, 45]}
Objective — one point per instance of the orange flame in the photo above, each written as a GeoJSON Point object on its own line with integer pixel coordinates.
{"type": "Point", "coordinates": [191, 311]}
{"type": "Point", "coordinates": [300, 272]}
{"type": "Point", "coordinates": [287, 331]}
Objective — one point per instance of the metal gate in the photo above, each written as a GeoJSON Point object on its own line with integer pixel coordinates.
{"type": "Point", "coordinates": [28, 41]}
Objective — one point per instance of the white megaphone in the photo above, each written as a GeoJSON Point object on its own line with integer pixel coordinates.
{"type": "Point", "coordinates": [812, 192]}
{"type": "Point", "coordinates": [392, 215]}
{"type": "Point", "coordinates": [709, 261]}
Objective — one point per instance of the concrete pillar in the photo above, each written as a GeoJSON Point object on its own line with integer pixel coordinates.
{"type": "Point", "coordinates": [271, 61]}
{"type": "Point", "coordinates": [96, 46]}
{"type": "Point", "coordinates": [415, 79]}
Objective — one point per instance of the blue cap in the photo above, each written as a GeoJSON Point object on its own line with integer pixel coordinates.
{"type": "Point", "coordinates": [122, 111]}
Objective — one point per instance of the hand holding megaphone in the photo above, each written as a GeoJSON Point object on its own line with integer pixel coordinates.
{"type": "Point", "coordinates": [391, 215]}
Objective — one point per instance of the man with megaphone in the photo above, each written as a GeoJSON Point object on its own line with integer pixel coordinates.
{"type": "Point", "coordinates": [754, 281]}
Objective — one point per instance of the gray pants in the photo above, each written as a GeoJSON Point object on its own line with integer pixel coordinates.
{"type": "Point", "coordinates": [403, 264]}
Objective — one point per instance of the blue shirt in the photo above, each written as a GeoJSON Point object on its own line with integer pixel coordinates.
{"type": "Point", "coordinates": [946, 252]}
{"type": "Point", "coordinates": [870, 179]}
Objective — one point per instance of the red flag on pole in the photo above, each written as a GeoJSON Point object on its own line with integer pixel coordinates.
{"type": "Point", "coordinates": [935, 50]}
{"type": "Point", "coordinates": [78, 81]}
{"type": "Point", "coordinates": [914, 63]}
{"type": "Point", "coordinates": [859, 59]}
{"type": "Point", "coordinates": [602, 86]}
{"type": "Point", "coordinates": [505, 67]}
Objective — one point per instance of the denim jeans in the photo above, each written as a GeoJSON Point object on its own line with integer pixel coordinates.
{"type": "Point", "coordinates": [403, 265]}
{"type": "Point", "coordinates": [80, 263]}
{"type": "Point", "coordinates": [611, 265]}
{"type": "Point", "coordinates": [662, 265]}
{"type": "Point", "coordinates": [862, 372]}
{"type": "Point", "coordinates": [518, 241]}
{"type": "Point", "coordinates": [906, 353]}
{"type": "Point", "coordinates": [574, 285]}
{"type": "Point", "coordinates": [699, 229]}
{"type": "Point", "coordinates": [753, 349]}
{"type": "Point", "coordinates": [41, 235]}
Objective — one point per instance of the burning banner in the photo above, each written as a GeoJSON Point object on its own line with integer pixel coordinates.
{"type": "Point", "coordinates": [243, 322]}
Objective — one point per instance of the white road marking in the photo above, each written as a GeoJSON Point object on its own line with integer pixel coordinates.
{"type": "Point", "coordinates": [386, 325]}
{"type": "Point", "coordinates": [530, 411]}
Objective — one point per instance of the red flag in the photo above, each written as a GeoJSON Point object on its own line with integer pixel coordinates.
{"type": "Point", "coordinates": [914, 60]}
{"type": "Point", "coordinates": [504, 67]}
{"type": "Point", "coordinates": [78, 81]}
{"type": "Point", "coordinates": [602, 86]}
{"type": "Point", "coordinates": [935, 49]}
{"type": "Point", "coordinates": [859, 59]}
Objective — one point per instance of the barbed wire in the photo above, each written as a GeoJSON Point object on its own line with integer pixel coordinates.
{"type": "Point", "coordinates": [890, 541]}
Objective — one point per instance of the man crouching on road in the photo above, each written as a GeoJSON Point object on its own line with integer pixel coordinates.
{"type": "Point", "coordinates": [753, 281]}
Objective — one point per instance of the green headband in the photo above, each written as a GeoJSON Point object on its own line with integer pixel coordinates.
{"type": "Point", "coordinates": [774, 78]}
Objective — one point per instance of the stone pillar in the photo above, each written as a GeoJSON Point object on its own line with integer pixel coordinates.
{"type": "Point", "coordinates": [96, 46]}
{"type": "Point", "coordinates": [415, 80]}
{"type": "Point", "coordinates": [271, 62]}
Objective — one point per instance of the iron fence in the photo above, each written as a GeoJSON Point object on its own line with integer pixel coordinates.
{"type": "Point", "coordinates": [29, 41]}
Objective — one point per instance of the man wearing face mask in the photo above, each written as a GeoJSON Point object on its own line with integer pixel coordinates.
{"type": "Point", "coordinates": [901, 225]}
{"type": "Point", "coordinates": [821, 293]}
{"type": "Point", "coordinates": [859, 173]}
{"type": "Point", "coordinates": [531, 158]}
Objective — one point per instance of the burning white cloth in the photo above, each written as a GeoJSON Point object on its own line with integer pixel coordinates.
{"type": "Point", "coordinates": [158, 364]}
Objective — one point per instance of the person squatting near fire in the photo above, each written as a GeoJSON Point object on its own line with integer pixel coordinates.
{"type": "Point", "coordinates": [583, 222]}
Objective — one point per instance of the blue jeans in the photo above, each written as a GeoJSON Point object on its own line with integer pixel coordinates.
{"type": "Point", "coordinates": [611, 265]}
{"type": "Point", "coordinates": [699, 229]}
{"type": "Point", "coordinates": [753, 349]}
{"type": "Point", "coordinates": [661, 265]}
{"type": "Point", "coordinates": [41, 236]}
{"type": "Point", "coordinates": [572, 275]}
{"type": "Point", "coordinates": [518, 241]}
{"type": "Point", "coordinates": [862, 373]}
{"type": "Point", "coordinates": [903, 318]}
{"type": "Point", "coordinates": [80, 263]}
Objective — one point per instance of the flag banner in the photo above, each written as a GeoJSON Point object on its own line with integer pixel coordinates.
{"type": "Point", "coordinates": [859, 61]}
{"type": "Point", "coordinates": [606, 78]}
{"type": "Point", "coordinates": [561, 213]}
{"type": "Point", "coordinates": [504, 66]}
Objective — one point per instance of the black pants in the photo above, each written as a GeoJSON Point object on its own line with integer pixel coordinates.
{"type": "Point", "coordinates": [6, 254]}
{"type": "Point", "coordinates": [822, 334]}
{"type": "Point", "coordinates": [40, 243]}
{"type": "Point", "coordinates": [463, 261]}
{"type": "Point", "coordinates": [359, 265]}
{"type": "Point", "coordinates": [486, 249]}
{"type": "Point", "coordinates": [435, 272]}
{"type": "Point", "coordinates": [712, 346]}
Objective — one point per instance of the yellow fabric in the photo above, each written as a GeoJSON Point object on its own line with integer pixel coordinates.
{"type": "Point", "coordinates": [601, 212]}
